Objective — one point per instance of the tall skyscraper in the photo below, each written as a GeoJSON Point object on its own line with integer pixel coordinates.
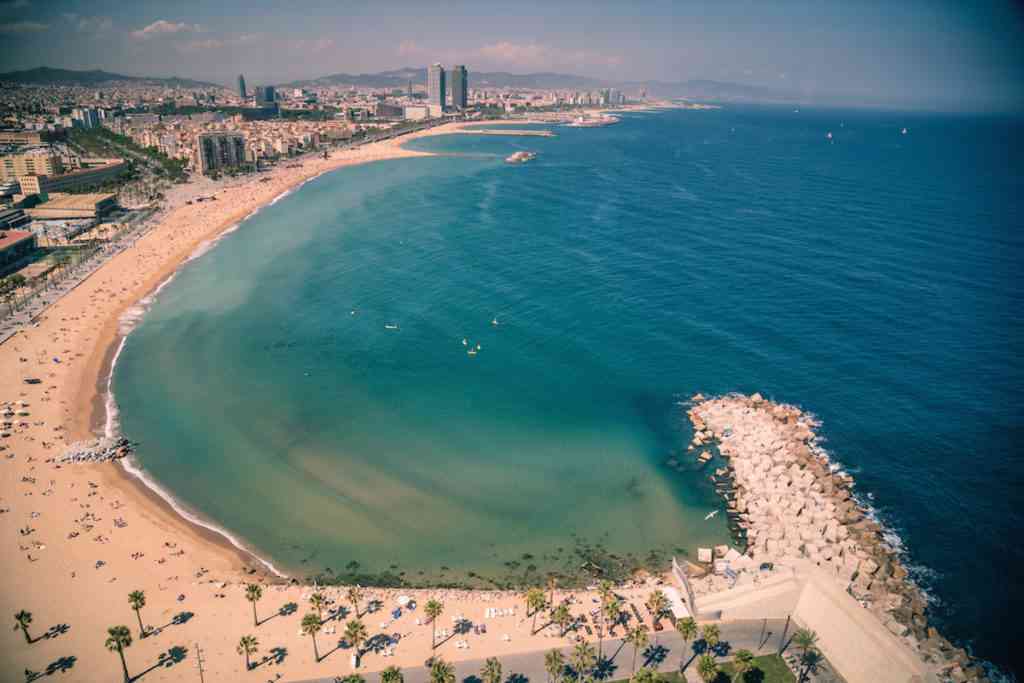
{"type": "Point", "coordinates": [241, 87]}
{"type": "Point", "coordinates": [460, 86]}
{"type": "Point", "coordinates": [435, 85]}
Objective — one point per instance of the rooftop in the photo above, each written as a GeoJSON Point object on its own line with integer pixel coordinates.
{"type": "Point", "coordinates": [10, 237]}
{"type": "Point", "coordinates": [75, 201]}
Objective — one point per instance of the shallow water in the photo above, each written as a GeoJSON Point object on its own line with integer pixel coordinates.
{"type": "Point", "coordinates": [873, 280]}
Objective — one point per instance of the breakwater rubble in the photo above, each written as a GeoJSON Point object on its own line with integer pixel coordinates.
{"type": "Point", "coordinates": [101, 449]}
{"type": "Point", "coordinates": [788, 501]}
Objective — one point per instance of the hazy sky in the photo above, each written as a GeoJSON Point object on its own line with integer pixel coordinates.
{"type": "Point", "coordinates": [947, 54]}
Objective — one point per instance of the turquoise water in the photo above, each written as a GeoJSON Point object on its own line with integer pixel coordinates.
{"type": "Point", "coordinates": [873, 280]}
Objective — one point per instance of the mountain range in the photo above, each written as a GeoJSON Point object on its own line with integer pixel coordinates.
{"type": "Point", "coordinates": [45, 75]}
{"type": "Point", "coordinates": [400, 79]}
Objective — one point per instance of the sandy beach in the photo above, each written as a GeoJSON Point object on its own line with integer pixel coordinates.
{"type": "Point", "coordinates": [79, 538]}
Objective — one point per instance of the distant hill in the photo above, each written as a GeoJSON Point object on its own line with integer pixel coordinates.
{"type": "Point", "coordinates": [45, 75]}
{"type": "Point", "coordinates": [697, 89]}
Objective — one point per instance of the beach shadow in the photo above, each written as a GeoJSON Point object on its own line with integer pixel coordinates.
{"type": "Point", "coordinates": [517, 678]}
{"type": "Point", "coordinates": [722, 649]}
{"type": "Point", "coordinates": [287, 609]}
{"type": "Point", "coordinates": [172, 656]}
{"type": "Point", "coordinates": [374, 606]}
{"type": "Point", "coordinates": [62, 665]}
{"type": "Point", "coordinates": [378, 643]}
{"type": "Point", "coordinates": [337, 614]}
{"type": "Point", "coordinates": [276, 656]}
{"type": "Point", "coordinates": [655, 655]}
{"type": "Point", "coordinates": [181, 618]}
{"type": "Point", "coordinates": [54, 632]}
{"type": "Point", "coordinates": [605, 669]}
{"type": "Point", "coordinates": [472, 678]}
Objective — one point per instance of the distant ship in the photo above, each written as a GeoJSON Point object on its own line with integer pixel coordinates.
{"type": "Point", "coordinates": [903, 132]}
{"type": "Point", "coordinates": [829, 136]}
{"type": "Point", "coordinates": [521, 157]}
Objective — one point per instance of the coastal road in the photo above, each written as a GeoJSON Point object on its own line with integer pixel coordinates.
{"type": "Point", "coordinates": [761, 636]}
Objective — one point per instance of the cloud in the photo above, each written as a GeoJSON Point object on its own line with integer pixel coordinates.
{"type": "Point", "coordinates": [22, 27]}
{"type": "Point", "coordinates": [218, 43]}
{"type": "Point", "coordinates": [85, 24]}
{"type": "Point", "coordinates": [163, 27]}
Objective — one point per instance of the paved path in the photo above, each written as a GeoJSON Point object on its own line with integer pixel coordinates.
{"type": "Point", "coordinates": [761, 637]}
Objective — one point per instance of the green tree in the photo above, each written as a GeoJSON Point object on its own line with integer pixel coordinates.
{"type": "Point", "coordinates": [707, 668]}
{"type": "Point", "coordinates": [742, 662]}
{"type": "Point", "coordinates": [687, 628]}
{"type": "Point", "coordinates": [317, 602]}
{"type": "Point", "coordinates": [552, 584]}
{"type": "Point", "coordinates": [137, 599]}
{"type": "Point", "coordinates": [491, 671]}
{"type": "Point", "coordinates": [711, 636]}
{"type": "Point", "coordinates": [809, 662]}
{"type": "Point", "coordinates": [311, 626]}
{"type": "Point", "coordinates": [611, 610]}
{"type": "Point", "coordinates": [433, 609]}
{"type": "Point", "coordinates": [392, 674]}
{"type": "Point", "coordinates": [583, 658]}
{"type": "Point", "coordinates": [441, 671]}
{"type": "Point", "coordinates": [805, 639]}
{"type": "Point", "coordinates": [355, 634]}
{"type": "Point", "coordinates": [21, 620]}
{"type": "Point", "coordinates": [561, 616]}
{"type": "Point", "coordinates": [118, 638]}
{"type": "Point", "coordinates": [605, 590]}
{"type": "Point", "coordinates": [637, 637]}
{"type": "Point", "coordinates": [253, 592]}
{"type": "Point", "coordinates": [554, 664]}
{"type": "Point", "coordinates": [646, 675]}
{"type": "Point", "coordinates": [658, 604]}
{"type": "Point", "coordinates": [355, 596]}
{"type": "Point", "coordinates": [247, 646]}
{"type": "Point", "coordinates": [535, 602]}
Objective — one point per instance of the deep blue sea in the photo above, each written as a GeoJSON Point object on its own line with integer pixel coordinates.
{"type": "Point", "coordinates": [873, 279]}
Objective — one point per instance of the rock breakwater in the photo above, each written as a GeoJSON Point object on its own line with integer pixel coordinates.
{"type": "Point", "coordinates": [789, 502]}
{"type": "Point", "coordinates": [96, 450]}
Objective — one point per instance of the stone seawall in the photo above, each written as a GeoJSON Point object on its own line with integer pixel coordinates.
{"type": "Point", "coordinates": [789, 502]}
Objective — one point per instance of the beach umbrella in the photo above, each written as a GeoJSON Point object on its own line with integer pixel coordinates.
{"type": "Point", "coordinates": [403, 600]}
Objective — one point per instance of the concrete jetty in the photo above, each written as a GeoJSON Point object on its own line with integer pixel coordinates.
{"type": "Point", "coordinates": [793, 506]}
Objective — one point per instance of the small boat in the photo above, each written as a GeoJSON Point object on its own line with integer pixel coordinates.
{"type": "Point", "coordinates": [471, 352]}
{"type": "Point", "coordinates": [710, 515]}
{"type": "Point", "coordinates": [903, 132]}
{"type": "Point", "coordinates": [464, 342]}
{"type": "Point", "coordinates": [494, 321]}
{"type": "Point", "coordinates": [391, 326]}
{"type": "Point", "coordinates": [829, 136]}
{"type": "Point", "coordinates": [520, 157]}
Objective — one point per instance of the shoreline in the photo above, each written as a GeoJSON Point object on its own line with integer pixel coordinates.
{"type": "Point", "coordinates": [100, 419]}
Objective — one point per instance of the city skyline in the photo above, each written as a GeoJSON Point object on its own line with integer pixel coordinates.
{"type": "Point", "coordinates": [916, 54]}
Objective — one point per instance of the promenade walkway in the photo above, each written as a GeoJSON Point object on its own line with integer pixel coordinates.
{"type": "Point", "coordinates": [666, 652]}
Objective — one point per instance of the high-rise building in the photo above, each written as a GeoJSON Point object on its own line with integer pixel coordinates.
{"type": "Point", "coordinates": [460, 87]}
{"type": "Point", "coordinates": [215, 151]}
{"type": "Point", "coordinates": [435, 85]}
{"type": "Point", "coordinates": [35, 162]}
{"type": "Point", "coordinates": [265, 95]}
{"type": "Point", "coordinates": [241, 87]}
{"type": "Point", "coordinates": [85, 117]}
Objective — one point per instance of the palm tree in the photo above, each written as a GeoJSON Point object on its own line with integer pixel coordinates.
{"type": "Point", "coordinates": [355, 594]}
{"type": "Point", "coordinates": [711, 636]}
{"type": "Point", "coordinates": [743, 661]}
{"type": "Point", "coordinates": [118, 638]}
{"type": "Point", "coordinates": [554, 664]}
{"type": "Point", "coordinates": [433, 609]}
{"type": "Point", "coordinates": [809, 662]}
{"type": "Point", "coordinates": [658, 604]}
{"type": "Point", "coordinates": [392, 674]}
{"type": "Point", "coordinates": [311, 626]}
{"type": "Point", "coordinates": [552, 584]}
{"type": "Point", "coordinates": [247, 646]}
{"type": "Point", "coordinates": [441, 671]}
{"type": "Point", "coordinates": [604, 590]}
{"type": "Point", "coordinates": [805, 639]}
{"type": "Point", "coordinates": [491, 671]}
{"type": "Point", "coordinates": [583, 659]}
{"type": "Point", "coordinates": [317, 602]}
{"type": "Point", "coordinates": [137, 599]}
{"type": "Point", "coordinates": [611, 610]}
{"type": "Point", "coordinates": [637, 637]}
{"type": "Point", "coordinates": [561, 616]}
{"type": "Point", "coordinates": [22, 619]}
{"type": "Point", "coordinates": [687, 628]}
{"type": "Point", "coordinates": [355, 634]}
{"type": "Point", "coordinates": [253, 592]}
{"type": "Point", "coordinates": [707, 668]}
{"type": "Point", "coordinates": [646, 675]}
{"type": "Point", "coordinates": [535, 602]}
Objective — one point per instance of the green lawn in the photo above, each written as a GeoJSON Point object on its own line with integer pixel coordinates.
{"type": "Point", "coordinates": [767, 669]}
